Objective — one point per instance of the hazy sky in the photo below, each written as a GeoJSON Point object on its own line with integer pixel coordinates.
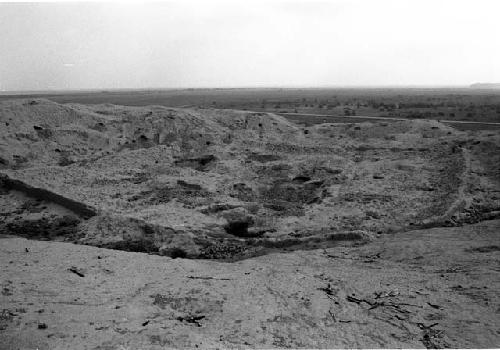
{"type": "Point", "coordinates": [248, 43]}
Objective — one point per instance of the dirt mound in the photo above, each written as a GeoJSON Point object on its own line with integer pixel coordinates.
{"type": "Point", "coordinates": [41, 132]}
{"type": "Point", "coordinates": [184, 171]}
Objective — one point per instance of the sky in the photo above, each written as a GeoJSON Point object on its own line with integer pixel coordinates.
{"type": "Point", "coordinates": [252, 43]}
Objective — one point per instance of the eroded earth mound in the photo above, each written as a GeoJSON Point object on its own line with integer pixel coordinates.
{"type": "Point", "coordinates": [344, 199]}
{"type": "Point", "coordinates": [224, 184]}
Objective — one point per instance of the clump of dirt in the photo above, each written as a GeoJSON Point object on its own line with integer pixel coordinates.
{"type": "Point", "coordinates": [278, 170]}
{"type": "Point", "coordinates": [243, 192]}
{"type": "Point", "coordinates": [140, 245]}
{"type": "Point", "coordinates": [239, 227]}
{"type": "Point", "coordinates": [222, 250]}
{"type": "Point", "coordinates": [284, 208]}
{"type": "Point", "coordinates": [263, 158]}
{"type": "Point", "coordinates": [484, 249]}
{"type": "Point", "coordinates": [366, 198]}
{"type": "Point", "coordinates": [191, 195]}
{"type": "Point", "coordinates": [218, 207]}
{"type": "Point", "coordinates": [474, 214]}
{"type": "Point", "coordinates": [289, 197]}
{"type": "Point", "coordinates": [241, 222]}
{"type": "Point", "coordinates": [198, 163]}
{"type": "Point", "coordinates": [6, 318]}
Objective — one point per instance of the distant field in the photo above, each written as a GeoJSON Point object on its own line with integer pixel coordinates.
{"type": "Point", "coordinates": [413, 103]}
{"type": "Point", "coordinates": [309, 120]}
{"type": "Point", "coordinates": [472, 127]}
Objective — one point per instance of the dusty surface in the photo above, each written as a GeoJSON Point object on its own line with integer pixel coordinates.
{"type": "Point", "coordinates": [336, 235]}
{"type": "Point", "coordinates": [427, 288]}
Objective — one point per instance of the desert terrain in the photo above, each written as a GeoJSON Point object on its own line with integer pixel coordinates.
{"type": "Point", "coordinates": [475, 103]}
{"type": "Point", "coordinates": [147, 226]}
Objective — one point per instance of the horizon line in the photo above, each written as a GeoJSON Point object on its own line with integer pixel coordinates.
{"type": "Point", "coordinates": [270, 87]}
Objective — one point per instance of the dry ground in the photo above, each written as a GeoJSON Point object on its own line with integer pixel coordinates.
{"type": "Point", "coordinates": [335, 235]}
{"type": "Point", "coordinates": [427, 288]}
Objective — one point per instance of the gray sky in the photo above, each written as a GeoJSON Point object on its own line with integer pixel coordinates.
{"type": "Point", "coordinates": [248, 43]}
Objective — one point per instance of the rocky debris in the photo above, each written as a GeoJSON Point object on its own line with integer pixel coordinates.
{"type": "Point", "coordinates": [485, 249]}
{"type": "Point", "coordinates": [301, 179]}
{"type": "Point", "coordinates": [239, 228]}
{"type": "Point", "coordinates": [474, 214]}
{"type": "Point", "coordinates": [218, 207]}
{"type": "Point", "coordinates": [133, 245]}
{"type": "Point", "coordinates": [263, 158]}
{"type": "Point", "coordinates": [198, 163]}
{"type": "Point", "coordinates": [44, 228]}
{"type": "Point", "coordinates": [366, 198]}
{"type": "Point", "coordinates": [65, 159]}
{"type": "Point", "coordinates": [6, 291]}
{"type": "Point", "coordinates": [289, 197]}
{"type": "Point", "coordinates": [208, 278]}
{"type": "Point", "coordinates": [243, 192]}
{"type": "Point", "coordinates": [291, 192]}
{"type": "Point", "coordinates": [174, 252]}
{"type": "Point", "coordinates": [191, 319]}
{"type": "Point", "coordinates": [238, 222]}
{"type": "Point", "coordinates": [6, 318]}
{"type": "Point", "coordinates": [223, 250]}
{"type": "Point", "coordinates": [285, 208]}
{"type": "Point", "coordinates": [433, 338]}
{"type": "Point", "coordinates": [191, 195]}
{"type": "Point", "coordinates": [4, 162]}
{"type": "Point", "coordinates": [76, 271]}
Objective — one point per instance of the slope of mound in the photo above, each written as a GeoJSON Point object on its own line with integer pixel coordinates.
{"type": "Point", "coordinates": [434, 288]}
{"type": "Point", "coordinates": [41, 132]}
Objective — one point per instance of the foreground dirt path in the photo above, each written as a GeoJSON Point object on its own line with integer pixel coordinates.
{"type": "Point", "coordinates": [428, 288]}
